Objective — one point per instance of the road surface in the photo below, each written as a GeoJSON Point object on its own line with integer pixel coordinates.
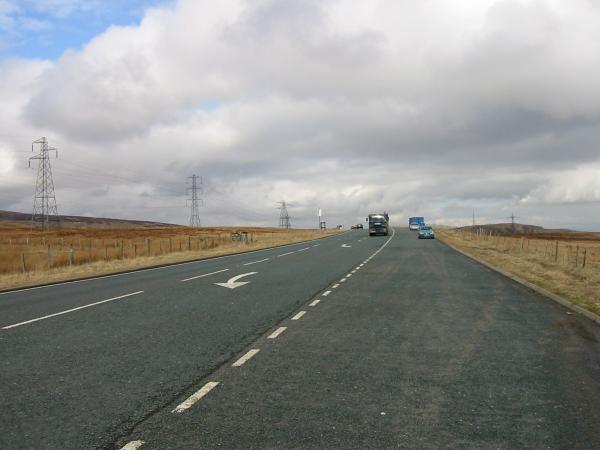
{"type": "Point", "coordinates": [345, 342]}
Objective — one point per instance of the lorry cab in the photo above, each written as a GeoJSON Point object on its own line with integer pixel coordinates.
{"type": "Point", "coordinates": [378, 224]}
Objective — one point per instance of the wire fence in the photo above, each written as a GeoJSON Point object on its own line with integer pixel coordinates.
{"type": "Point", "coordinates": [566, 253]}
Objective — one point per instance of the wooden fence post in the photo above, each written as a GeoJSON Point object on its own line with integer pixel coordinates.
{"type": "Point", "coordinates": [189, 243]}
{"type": "Point", "coordinates": [170, 245]}
{"type": "Point", "coordinates": [106, 252]}
{"type": "Point", "coordinates": [23, 263]}
{"type": "Point", "coordinates": [556, 252]}
{"type": "Point", "coordinates": [577, 256]}
{"type": "Point", "coordinates": [122, 250]}
{"type": "Point", "coordinates": [49, 257]}
{"type": "Point", "coordinates": [584, 257]}
{"type": "Point", "coordinates": [148, 243]}
{"type": "Point", "coordinates": [71, 255]}
{"type": "Point", "coordinates": [135, 250]}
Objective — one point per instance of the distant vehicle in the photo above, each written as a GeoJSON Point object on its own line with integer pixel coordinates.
{"type": "Point", "coordinates": [353, 227]}
{"type": "Point", "coordinates": [378, 224]}
{"type": "Point", "coordinates": [414, 223]}
{"type": "Point", "coordinates": [359, 226]}
{"type": "Point", "coordinates": [426, 232]}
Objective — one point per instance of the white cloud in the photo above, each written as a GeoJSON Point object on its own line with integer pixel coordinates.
{"type": "Point", "coordinates": [354, 106]}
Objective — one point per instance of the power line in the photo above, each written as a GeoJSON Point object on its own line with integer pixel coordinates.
{"type": "Point", "coordinates": [44, 200]}
{"type": "Point", "coordinates": [195, 201]}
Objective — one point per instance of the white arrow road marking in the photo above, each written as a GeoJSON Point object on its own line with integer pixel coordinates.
{"type": "Point", "coordinates": [233, 282]}
{"type": "Point", "coordinates": [346, 246]}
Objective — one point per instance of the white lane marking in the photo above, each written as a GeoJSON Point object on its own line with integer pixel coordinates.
{"type": "Point", "coordinates": [285, 254]}
{"type": "Point", "coordinates": [195, 396]}
{"type": "Point", "coordinates": [233, 282]}
{"type": "Point", "coordinates": [326, 293]}
{"type": "Point", "coordinates": [277, 332]}
{"type": "Point", "coordinates": [71, 310]}
{"type": "Point", "coordinates": [133, 445]}
{"type": "Point", "coordinates": [303, 249]}
{"type": "Point", "coordinates": [335, 286]}
{"type": "Point", "coordinates": [343, 280]}
{"type": "Point", "coordinates": [314, 302]}
{"type": "Point", "coordinates": [256, 262]}
{"type": "Point", "coordinates": [205, 275]}
{"type": "Point", "coordinates": [300, 314]}
{"type": "Point", "coordinates": [133, 272]}
{"type": "Point", "coordinates": [349, 275]}
{"type": "Point", "coordinates": [346, 246]}
{"type": "Point", "coordinates": [354, 271]}
{"type": "Point", "coordinates": [246, 357]}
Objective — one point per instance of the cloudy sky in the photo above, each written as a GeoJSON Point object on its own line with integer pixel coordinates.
{"type": "Point", "coordinates": [429, 107]}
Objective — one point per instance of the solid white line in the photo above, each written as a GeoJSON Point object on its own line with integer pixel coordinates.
{"type": "Point", "coordinates": [277, 332]}
{"type": "Point", "coordinates": [303, 249]}
{"type": "Point", "coordinates": [335, 286]}
{"type": "Point", "coordinates": [300, 314]}
{"type": "Point", "coordinates": [133, 272]}
{"type": "Point", "coordinates": [256, 262]}
{"type": "Point", "coordinates": [205, 275]}
{"type": "Point", "coordinates": [285, 254]}
{"type": "Point", "coordinates": [196, 396]}
{"type": "Point", "coordinates": [314, 302]}
{"type": "Point", "coordinates": [326, 293]}
{"type": "Point", "coordinates": [246, 357]}
{"type": "Point", "coordinates": [133, 445]}
{"type": "Point", "coordinates": [70, 310]}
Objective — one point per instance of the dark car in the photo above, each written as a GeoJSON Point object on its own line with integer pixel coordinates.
{"type": "Point", "coordinates": [359, 226]}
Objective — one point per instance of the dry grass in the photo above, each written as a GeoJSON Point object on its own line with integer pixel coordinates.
{"type": "Point", "coordinates": [34, 257]}
{"type": "Point", "coordinates": [563, 265]}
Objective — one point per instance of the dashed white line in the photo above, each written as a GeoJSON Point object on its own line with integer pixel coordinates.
{"type": "Point", "coordinates": [256, 262]}
{"type": "Point", "coordinates": [277, 332]}
{"type": "Point", "coordinates": [133, 445]}
{"type": "Point", "coordinates": [299, 315]}
{"type": "Point", "coordinates": [343, 280]}
{"type": "Point", "coordinates": [246, 357]}
{"type": "Point", "coordinates": [303, 249]}
{"type": "Point", "coordinates": [326, 293]}
{"type": "Point", "coordinates": [285, 254]}
{"type": "Point", "coordinates": [196, 396]}
{"type": "Point", "coordinates": [335, 286]}
{"type": "Point", "coordinates": [314, 302]}
{"type": "Point", "coordinates": [354, 271]}
{"type": "Point", "coordinates": [349, 275]}
{"type": "Point", "coordinates": [71, 310]}
{"type": "Point", "coordinates": [204, 275]}
{"type": "Point", "coordinates": [316, 245]}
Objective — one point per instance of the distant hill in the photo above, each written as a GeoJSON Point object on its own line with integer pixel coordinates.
{"type": "Point", "coordinates": [506, 228]}
{"type": "Point", "coordinates": [84, 222]}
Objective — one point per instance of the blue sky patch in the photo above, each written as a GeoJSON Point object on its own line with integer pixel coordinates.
{"type": "Point", "coordinates": [46, 28]}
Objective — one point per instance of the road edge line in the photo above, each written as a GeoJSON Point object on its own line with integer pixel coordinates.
{"type": "Point", "coordinates": [533, 287]}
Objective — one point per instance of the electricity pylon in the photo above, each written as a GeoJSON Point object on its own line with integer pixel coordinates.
{"type": "Point", "coordinates": [44, 199]}
{"type": "Point", "coordinates": [284, 216]}
{"type": "Point", "coordinates": [195, 201]}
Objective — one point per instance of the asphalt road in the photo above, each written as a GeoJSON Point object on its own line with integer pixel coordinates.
{"type": "Point", "coordinates": [418, 348]}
